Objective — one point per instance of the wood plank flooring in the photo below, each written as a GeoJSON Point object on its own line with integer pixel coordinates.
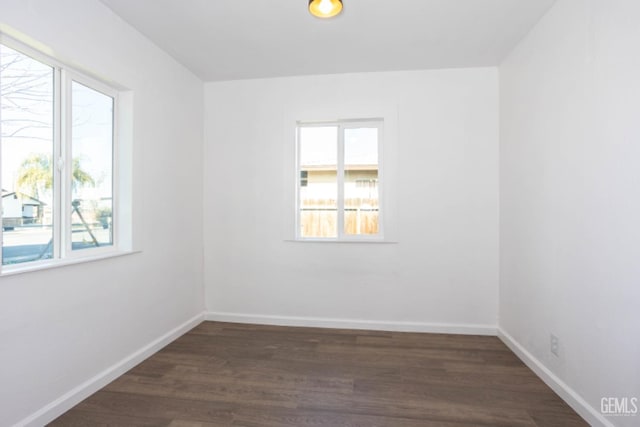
{"type": "Point", "coordinates": [223, 374]}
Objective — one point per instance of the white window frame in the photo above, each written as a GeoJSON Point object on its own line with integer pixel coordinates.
{"type": "Point", "coordinates": [63, 254]}
{"type": "Point", "coordinates": [68, 77]}
{"type": "Point", "coordinates": [342, 126]}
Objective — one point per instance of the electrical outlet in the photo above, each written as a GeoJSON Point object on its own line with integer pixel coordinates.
{"type": "Point", "coordinates": [555, 345]}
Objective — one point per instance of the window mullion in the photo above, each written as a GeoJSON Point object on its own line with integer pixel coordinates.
{"type": "Point", "coordinates": [56, 163]}
{"type": "Point", "coordinates": [66, 166]}
{"type": "Point", "coordinates": [340, 174]}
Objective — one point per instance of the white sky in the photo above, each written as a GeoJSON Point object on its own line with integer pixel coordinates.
{"type": "Point", "coordinates": [319, 146]}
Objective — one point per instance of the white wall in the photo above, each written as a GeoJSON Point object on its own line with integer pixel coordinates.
{"type": "Point", "coordinates": [443, 269]}
{"type": "Point", "coordinates": [569, 96]}
{"type": "Point", "coordinates": [570, 204]}
{"type": "Point", "coordinates": [60, 327]}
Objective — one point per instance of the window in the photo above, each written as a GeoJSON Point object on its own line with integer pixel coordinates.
{"type": "Point", "coordinates": [338, 174]}
{"type": "Point", "coordinates": [57, 146]}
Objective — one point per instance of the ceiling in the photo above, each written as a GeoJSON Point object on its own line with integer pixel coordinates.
{"type": "Point", "coordinates": [242, 39]}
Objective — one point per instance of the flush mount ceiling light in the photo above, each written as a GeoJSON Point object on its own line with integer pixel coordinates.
{"type": "Point", "coordinates": [325, 8]}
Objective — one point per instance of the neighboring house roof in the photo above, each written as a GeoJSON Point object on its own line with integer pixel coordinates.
{"type": "Point", "coordinates": [333, 167]}
{"type": "Point", "coordinates": [26, 199]}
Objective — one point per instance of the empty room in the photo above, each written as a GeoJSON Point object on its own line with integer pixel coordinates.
{"type": "Point", "coordinates": [340, 213]}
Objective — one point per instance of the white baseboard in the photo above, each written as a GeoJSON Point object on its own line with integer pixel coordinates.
{"type": "Point", "coordinates": [569, 395]}
{"type": "Point", "coordinates": [84, 390]}
{"type": "Point", "coordinates": [321, 322]}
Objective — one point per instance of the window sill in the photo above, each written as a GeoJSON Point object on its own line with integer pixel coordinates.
{"type": "Point", "coordinates": [46, 265]}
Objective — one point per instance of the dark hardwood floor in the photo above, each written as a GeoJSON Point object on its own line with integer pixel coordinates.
{"type": "Point", "coordinates": [223, 374]}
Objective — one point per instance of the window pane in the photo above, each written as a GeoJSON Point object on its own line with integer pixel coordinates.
{"type": "Point", "coordinates": [318, 181]}
{"type": "Point", "coordinates": [26, 140]}
{"type": "Point", "coordinates": [92, 168]}
{"type": "Point", "coordinates": [361, 200]}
